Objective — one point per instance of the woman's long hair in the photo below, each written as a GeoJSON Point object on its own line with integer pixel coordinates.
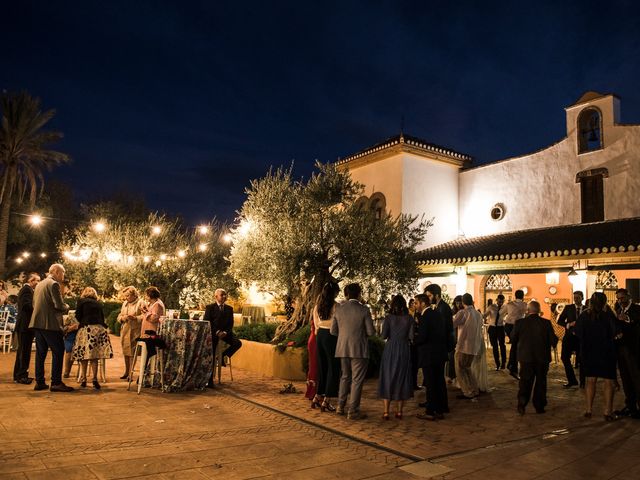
{"type": "Point", "coordinates": [327, 299]}
{"type": "Point", "coordinates": [398, 306]}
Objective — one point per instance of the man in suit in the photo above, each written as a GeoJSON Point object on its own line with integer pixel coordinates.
{"type": "Point", "coordinates": [628, 344]}
{"type": "Point", "coordinates": [494, 317]}
{"type": "Point", "coordinates": [570, 341]}
{"type": "Point", "coordinates": [24, 334]}
{"type": "Point", "coordinates": [353, 326]}
{"type": "Point", "coordinates": [534, 337]}
{"type": "Point", "coordinates": [220, 316]}
{"type": "Point", "coordinates": [434, 294]}
{"type": "Point", "coordinates": [46, 321]}
{"type": "Point", "coordinates": [431, 340]}
{"type": "Point", "coordinates": [515, 310]}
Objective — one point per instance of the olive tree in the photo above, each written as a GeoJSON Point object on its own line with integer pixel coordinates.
{"type": "Point", "coordinates": [293, 236]}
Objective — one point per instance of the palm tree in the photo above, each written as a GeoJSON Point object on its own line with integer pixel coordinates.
{"type": "Point", "coordinates": [23, 156]}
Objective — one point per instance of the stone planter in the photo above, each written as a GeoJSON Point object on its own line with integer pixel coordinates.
{"type": "Point", "coordinates": [264, 358]}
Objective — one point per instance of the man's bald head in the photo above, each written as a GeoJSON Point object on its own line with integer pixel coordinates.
{"type": "Point", "coordinates": [57, 271]}
{"type": "Point", "coordinates": [533, 308]}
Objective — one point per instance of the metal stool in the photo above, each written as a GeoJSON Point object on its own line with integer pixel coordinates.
{"type": "Point", "coordinates": [217, 361]}
{"type": "Point", "coordinates": [141, 349]}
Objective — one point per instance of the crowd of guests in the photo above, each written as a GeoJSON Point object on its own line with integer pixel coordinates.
{"type": "Point", "coordinates": [447, 344]}
{"type": "Point", "coordinates": [83, 337]}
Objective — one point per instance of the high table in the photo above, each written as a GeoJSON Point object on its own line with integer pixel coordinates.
{"type": "Point", "coordinates": [255, 312]}
{"type": "Point", "coordinates": [188, 358]}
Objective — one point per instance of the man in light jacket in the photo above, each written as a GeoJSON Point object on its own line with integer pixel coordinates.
{"type": "Point", "coordinates": [47, 322]}
{"type": "Point", "coordinates": [353, 326]}
{"type": "Point", "coordinates": [469, 323]}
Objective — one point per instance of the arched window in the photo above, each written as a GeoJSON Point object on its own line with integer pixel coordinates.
{"type": "Point", "coordinates": [378, 205]}
{"type": "Point", "coordinates": [607, 282]}
{"type": "Point", "coordinates": [361, 203]}
{"type": "Point", "coordinates": [589, 130]}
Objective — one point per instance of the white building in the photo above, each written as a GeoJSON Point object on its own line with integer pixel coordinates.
{"type": "Point", "coordinates": [537, 213]}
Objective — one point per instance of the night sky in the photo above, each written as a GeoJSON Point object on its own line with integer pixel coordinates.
{"type": "Point", "coordinates": [187, 101]}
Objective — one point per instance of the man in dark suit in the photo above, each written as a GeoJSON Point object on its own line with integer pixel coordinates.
{"type": "Point", "coordinates": [570, 341]}
{"type": "Point", "coordinates": [434, 293]}
{"type": "Point", "coordinates": [46, 321]}
{"type": "Point", "coordinates": [431, 341]}
{"type": "Point", "coordinates": [220, 316]}
{"type": "Point", "coordinates": [628, 344]}
{"type": "Point", "coordinates": [24, 334]}
{"type": "Point", "coordinates": [534, 337]}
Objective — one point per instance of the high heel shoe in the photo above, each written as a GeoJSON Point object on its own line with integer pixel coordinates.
{"type": "Point", "coordinates": [83, 383]}
{"type": "Point", "coordinates": [385, 416]}
{"type": "Point", "coordinates": [96, 385]}
{"type": "Point", "coordinates": [587, 415]}
{"type": "Point", "coordinates": [326, 406]}
{"type": "Point", "coordinates": [124, 377]}
{"type": "Point", "coordinates": [398, 415]}
{"type": "Point", "coordinates": [315, 403]}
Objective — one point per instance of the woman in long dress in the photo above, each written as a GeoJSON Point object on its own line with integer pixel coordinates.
{"type": "Point", "coordinates": [328, 366]}
{"type": "Point", "coordinates": [596, 329]}
{"type": "Point", "coordinates": [130, 319]}
{"type": "Point", "coordinates": [312, 373]}
{"type": "Point", "coordinates": [395, 381]}
{"type": "Point", "coordinates": [92, 341]}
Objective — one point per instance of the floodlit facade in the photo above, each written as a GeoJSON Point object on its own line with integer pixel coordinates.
{"type": "Point", "coordinates": [572, 207]}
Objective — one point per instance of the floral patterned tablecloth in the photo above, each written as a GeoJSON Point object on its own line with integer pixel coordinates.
{"type": "Point", "coordinates": [188, 358]}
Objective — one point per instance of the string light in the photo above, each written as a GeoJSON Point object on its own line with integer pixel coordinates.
{"type": "Point", "coordinates": [226, 238]}
{"type": "Point", "coordinates": [202, 247]}
{"type": "Point", "coordinates": [182, 253]}
{"type": "Point", "coordinates": [26, 254]}
{"type": "Point", "coordinates": [19, 260]}
{"type": "Point", "coordinates": [163, 257]}
{"type": "Point", "coordinates": [43, 255]}
{"type": "Point", "coordinates": [146, 259]}
{"type": "Point", "coordinates": [35, 220]}
{"type": "Point", "coordinates": [156, 229]}
{"type": "Point", "coordinates": [99, 227]}
{"type": "Point", "coordinates": [203, 229]}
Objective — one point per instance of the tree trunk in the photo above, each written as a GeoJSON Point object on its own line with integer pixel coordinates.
{"type": "Point", "coordinates": [305, 303]}
{"type": "Point", "coordinates": [5, 212]}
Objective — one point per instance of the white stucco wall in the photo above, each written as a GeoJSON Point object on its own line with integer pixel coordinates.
{"type": "Point", "coordinates": [540, 189]}
{"type": "Point", "coordinates": [385, 176]}
{"type": "Point", "coordinates": [430, 187]}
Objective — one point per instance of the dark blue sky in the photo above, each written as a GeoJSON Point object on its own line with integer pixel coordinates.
{"type": "Point", "coordinates": [187, 101]}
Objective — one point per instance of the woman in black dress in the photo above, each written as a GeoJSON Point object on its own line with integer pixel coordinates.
{"type": "Point", "coordinates": [328, 366]}
{"type": "Point", "coordinates": [596, 329]}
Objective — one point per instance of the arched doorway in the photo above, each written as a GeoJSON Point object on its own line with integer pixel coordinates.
{"type": "Point", "coordinates": [494, 285]}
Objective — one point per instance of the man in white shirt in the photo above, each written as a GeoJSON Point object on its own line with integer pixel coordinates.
{"type": "Point", "coordinates": [516, 310]}
{"type": "Point", "coordinates": [494, 317]}
{"type": "Point", "coordinates": [469, 323]}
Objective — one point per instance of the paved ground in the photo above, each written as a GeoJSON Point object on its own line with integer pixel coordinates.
{"type": "Point", "coordinates": [247, 429]}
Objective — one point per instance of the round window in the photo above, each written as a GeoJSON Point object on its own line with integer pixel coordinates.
{"type": "Point", "coordinates": [497, 212]}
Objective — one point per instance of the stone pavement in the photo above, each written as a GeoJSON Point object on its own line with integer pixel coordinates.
{"type": "Point", "coordinates": [247, 429]}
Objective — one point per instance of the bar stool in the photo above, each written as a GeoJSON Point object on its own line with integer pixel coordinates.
{"type": "Point", "coordinates": [141, 349]}
{"type": "Point", "coordinates": [217, 361]}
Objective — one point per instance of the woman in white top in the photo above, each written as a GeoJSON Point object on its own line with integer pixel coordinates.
{"type": "Point", "coordinates": [328, 364]}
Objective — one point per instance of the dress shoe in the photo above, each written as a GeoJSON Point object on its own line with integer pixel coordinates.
{"type": "Point", "coordinates": [625, 412]}
{"type": "Point", "coordinates": [446, 410]}
{"type": "Point", "coordinates": [502, 367]}
{"type": "Point", "coordinates": [439, 416]}
{"type": "Point", "coordinates": [356, 416]}
{"type": "Point", "coordinates": [426, 416]}
{"type": "Point", "coordinates": [570, 384]}
{"type": "Point", "coordinates": [96, 385]}
{"type": "Point", "coordinates": [521, 409]}
{"type": "Point", "coordinates": [211, 385]}
{"type": "Point", "coordinates": [41, 386]}
{"type": "Point", "coordinates": [422, 405]}
{"type": "Point", "coordinates": [340, 410]}
{"type": "Point", "coordinates": [124, 377]}
{"type": "Point", "coordinates": [24, 381]}
{"type": "Point", "coordinates": [540, 410]}
{"type": "Point", "coordinates": [61, 387]}
{"type": "Point", "coordinates": [462, 396]}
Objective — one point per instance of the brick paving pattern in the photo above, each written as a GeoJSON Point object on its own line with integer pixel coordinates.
{"type": "Point", "coordinates": [247, 429]}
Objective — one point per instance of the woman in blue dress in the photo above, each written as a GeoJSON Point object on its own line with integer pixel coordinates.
{"type": "Point", "coordinates": [395, 370]}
